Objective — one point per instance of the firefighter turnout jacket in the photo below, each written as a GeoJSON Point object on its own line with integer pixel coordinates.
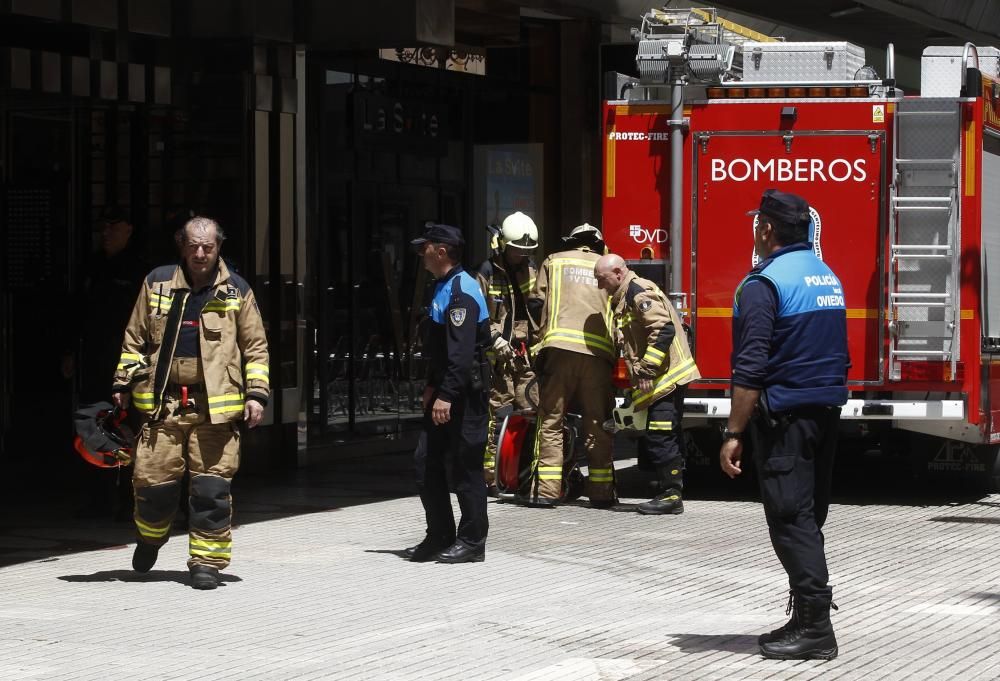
{"type": "Point", "coordinates": [231, 339]}
{"type": "Point", "coordinates": [575, 312]}
{"type": "Point", "coordinates": [653, 339]}
{"type": "Point", "coordinates": [507, 290]}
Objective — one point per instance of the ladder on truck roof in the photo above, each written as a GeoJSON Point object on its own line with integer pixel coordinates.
{"type": "Point", "coordinates": [924, 234]}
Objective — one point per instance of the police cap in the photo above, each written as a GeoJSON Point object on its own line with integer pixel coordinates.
{"type": "Point", "coordinates": [791, 209]}
{"type": "Point", "coordinates": [439, 234]}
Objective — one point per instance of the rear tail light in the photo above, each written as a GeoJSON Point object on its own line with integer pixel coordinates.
{"type": "Point", "coordinates": [620, 375]}
{"type": "Point", "coordinates": [930, 372]}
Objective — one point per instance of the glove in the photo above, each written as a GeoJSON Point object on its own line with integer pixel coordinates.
{"type": "Point", "coordinates": [503, 348]}
{"type": "Point", "coordinates": [123, 456]}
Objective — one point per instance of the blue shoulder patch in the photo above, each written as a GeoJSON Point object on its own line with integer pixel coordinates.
{"type": "Point", "coordinates": [161, 273]}
{"type": "Point", "coordinates": [240, 283]}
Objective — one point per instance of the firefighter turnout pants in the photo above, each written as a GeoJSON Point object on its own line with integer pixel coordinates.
{"type": "Point", "coordinates": [515, 386]}
{"type": "Point", "coordinates": [664, 439]}
{"type": "Point", "coordinates": [185, 438]}
{"type": "Point", "coordinates": [794, 456]}
{"type": "Point", "coordinates": [573, 379]}
{"type": "Point", "coordinates": [453, 451]}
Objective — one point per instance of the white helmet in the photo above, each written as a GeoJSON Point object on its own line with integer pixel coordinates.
{"type": "Point", "coordinates": [519, 231]}
{"type": "Point", "coordinates": [627, 418]}
{"type": "Point", "coordinates": [586, 232]}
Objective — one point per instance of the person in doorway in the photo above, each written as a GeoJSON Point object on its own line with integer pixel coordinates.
{"type": "Point", "coordinates": [660, 365]}
{"type": "Point", "coordinates": [195, 362]}
{"type": "Point", "coordinates": [574, 362]}
{"type": "Point", "coordinates": [506, 280]}
{"type": "Point", "coordinates": [789, 380]}
{"type": "Point", "coordinates": [455, 405]}
{"type": "Point", "coordinates": [111, 281]}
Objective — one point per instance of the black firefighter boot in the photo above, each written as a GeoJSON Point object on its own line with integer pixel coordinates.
{"type": "Point", "coordinates": [793, 609]}
{"type": "Point", "coordinates": [667, 502]}
{"type": "Point", "coordinates": [811, 638]}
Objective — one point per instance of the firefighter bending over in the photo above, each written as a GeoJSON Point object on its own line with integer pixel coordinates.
{"type": "Point", "coordinates": [660, 365]}
{"type": "Point", "coordinates": [574, 362]}
{"type": "Point", "coordinates": [194, 361]}
{"type": "Point", "coordinates": [507, 279]}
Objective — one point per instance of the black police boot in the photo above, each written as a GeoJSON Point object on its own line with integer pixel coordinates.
{"type": "Point", "coordinates": [667, 502]}
{"type": "Point", "coordinates": [204, 577]}
{"type": "Point", "coordinates": [603, 504]}
{"type": "Point", "coordinates": [811, 638]}
{"type": "Point", "coordinates": [425, 550]}
{"type": "Point", "coordinates": [144, 557]}
{"type": "Point", "coordinates": [460, 552]}
{"type": "Point", "coordinates": [777, 634]}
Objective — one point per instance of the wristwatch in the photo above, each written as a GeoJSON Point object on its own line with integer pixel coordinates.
{"type": "Point", "coordinates": [731, 435]}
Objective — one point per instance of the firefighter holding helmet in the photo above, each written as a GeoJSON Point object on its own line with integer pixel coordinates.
{"type": "Point", "coordinates": [507, 279]}
{"type": "Point", "coordinates": [575, 357]}
{"type": "Point", "coordinates": [660, 364]}
{"type": "Point", "coordinates": [194, 362]}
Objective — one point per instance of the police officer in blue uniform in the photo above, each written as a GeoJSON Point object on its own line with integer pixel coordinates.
{"type": "Point", "coordinates": [789, 380]}
{"type": "Point", "coordinates": [455, 405]}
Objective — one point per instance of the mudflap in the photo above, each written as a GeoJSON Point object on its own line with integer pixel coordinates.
{"type": "Point", "coordinates": [936, 460]}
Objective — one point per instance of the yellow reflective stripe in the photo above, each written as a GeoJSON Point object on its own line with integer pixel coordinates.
{"type": "Point", "coordinates": [660, 425]}
{"type": "Point", "coordinates": [527, 286]}
{"type": "Point", "coordinates": [210, 549]}
{"type": "Point", "coordinates": [668, 379]}
{"type": "Point", "coordinates": [581, 337]}
{"type": "Point", "coordinates": [653, 356]}
{"type": "Point", "coordinates": [550, 472]}
{"type": "Point", "coordinates": [495, 291]}
{"type": "Point", "coordinates": [128, 359]}
{"type": "Point", "coordinates": [143, 400]}
{"type": "Point", "coordinates": [261, 372]}
{"type": "Point", "coordinates": [601, 475]}
{"type": "Point", "coordinates": [220, 306]}
{"type": "Point", "coordinates": [227, 409]}
{"type": "Point", "coordinates": [225, 404]}
{"type": "Point", "coordinates": [150, 531]}
{"type": "Point", "coordinates": [489, 457]}
{"type": "Point", "coordinates": [161, 303]}
{"type": "Point", "coordinates": [625, 320]}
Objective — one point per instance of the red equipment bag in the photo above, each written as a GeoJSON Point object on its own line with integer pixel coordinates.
{"type": "Point", "coordinates": [509, 452]}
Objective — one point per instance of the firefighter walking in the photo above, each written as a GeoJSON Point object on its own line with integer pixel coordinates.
{"type": "Point", "coordinates": [575, 356]}
{"type": "Point", "coordinates": [194, 361]}
{"type": "Point", "coordinates": [660, 365]}
{"type": "Point", "coordinates": [507, 279]}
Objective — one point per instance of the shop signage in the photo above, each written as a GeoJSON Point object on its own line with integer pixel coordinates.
{"type": "Point", "coordinates": [396, 124]}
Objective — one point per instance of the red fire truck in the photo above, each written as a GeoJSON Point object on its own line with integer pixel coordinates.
{"type": "Point", "coordinates": [905, 197]}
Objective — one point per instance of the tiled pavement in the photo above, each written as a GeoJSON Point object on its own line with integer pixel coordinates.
{"type": "Point", "coordinates": [317, 590]}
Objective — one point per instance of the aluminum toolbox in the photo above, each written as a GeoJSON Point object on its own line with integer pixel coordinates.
{"type": "Point", "coordinates": [941, 69]}
{"type": "Point", "coordinates": [796, 62]}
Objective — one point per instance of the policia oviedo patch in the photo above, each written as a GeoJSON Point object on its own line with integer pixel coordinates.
{"type": "Point", "coordinates": [457, 316]}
